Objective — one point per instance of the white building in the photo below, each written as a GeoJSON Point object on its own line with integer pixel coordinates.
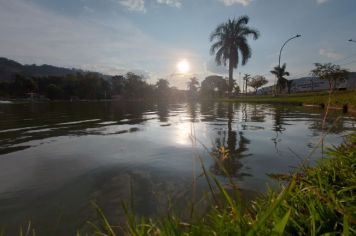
{"type": "Point", "coordinates": [308, 84]}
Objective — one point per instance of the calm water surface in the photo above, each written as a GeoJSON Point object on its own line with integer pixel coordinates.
{"type": "Point", "coordinates": [57, 157]}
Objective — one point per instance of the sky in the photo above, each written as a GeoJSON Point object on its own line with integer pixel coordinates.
{"type": "Point", "coordinates": [150, 37]}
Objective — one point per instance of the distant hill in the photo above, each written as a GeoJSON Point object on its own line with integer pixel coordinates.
{"type": "Point", "coordinates": [9, 69]}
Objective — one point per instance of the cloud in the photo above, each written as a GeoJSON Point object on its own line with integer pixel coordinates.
{"type": "Point", "coordinates": [173, 3]}
{"type": "Point", "coordinates": [243, 2]}
{"type": "Point", "coordinates": [88, 9]}
{"type": "Point", "coordinates": [134, 5]}
{"type": "Point", "coordinates": [330, 54]}
{"type": "Point", "coordinates": [212, 67]}
{"type": "Point", "coordinates": [32, 34]}
{"type": "Point", "coordinates": [139, 5]}
{"type": "Point", "coordinates": [321, 1]}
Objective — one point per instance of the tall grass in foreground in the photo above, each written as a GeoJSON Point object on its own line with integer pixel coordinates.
{"type": "Point", "coordinates": [318, 200]}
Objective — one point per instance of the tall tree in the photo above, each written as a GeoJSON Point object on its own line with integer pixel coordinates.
{"type": "Point", "coordinates": [289, 86]}
{"type": "Point", "coordinates": [280, 73]}
{"type": "Point", "coordinates": [246, 79]}
{"type": "Point", "coordinates": [231, 44]}
{"type": "Point", "coordinates": [162, 86]}
{"type": "Point", "coordinates": [193, 85]}
{"type": "Point", "coordinates": [257, 82]}
{"type": "Point", "coordinates": [213, 86]}
{"type": "Point", "coordinates": [330, 72]}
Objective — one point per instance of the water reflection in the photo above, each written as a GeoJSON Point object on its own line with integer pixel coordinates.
{"type": "Point", "coordinates": [230, 147]}
{"type": "Point", "coordinates": [57, 157]}
{"type": "Point", "coordinates": [162, 111]}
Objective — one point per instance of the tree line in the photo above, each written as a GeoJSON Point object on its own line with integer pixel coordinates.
{"type": "Point", "coordinates": [88, 86]}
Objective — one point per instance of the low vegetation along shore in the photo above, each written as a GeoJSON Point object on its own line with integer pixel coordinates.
{"type": "Point", "coordinates": [339, 99]}
{"type": "Point", "coordinates": [318, 200]}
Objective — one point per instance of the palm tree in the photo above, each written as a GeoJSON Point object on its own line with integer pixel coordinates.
{"type": "Point", "coordinates": [231, 43]}
{"type": "Point", "coordinates": [192, 86]}
{"type": "Point", "coordinates": [280, 72]}
{"type": "Point", "coordinates": [246, 79]}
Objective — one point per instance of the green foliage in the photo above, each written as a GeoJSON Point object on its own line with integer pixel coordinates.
{"type": "Point", "coordinates": [237, 89]}
{"type": "Point", "coordinates": [88, 86]}
{"type": "Point", "coordinates": [53, 92]}
{"type": "Point", "coordinates": [214, 86]}
{"type": "Point", "coordinates": [338, 98]}
{"type": "Point", "coordinates": [257, 82]}
{"type": "Point", "coordinates": [330, 72]}
{"type": "Point", "coordinates": [82, 86]}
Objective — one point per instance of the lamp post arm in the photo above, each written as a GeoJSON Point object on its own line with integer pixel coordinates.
{"type": "Point", "coordinates": [280, 52]}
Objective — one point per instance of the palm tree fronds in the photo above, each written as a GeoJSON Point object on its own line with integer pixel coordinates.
{"type": "Point", "coordinates": [242, 20]}
{"type": "Point", "coordinates": [231, 42]}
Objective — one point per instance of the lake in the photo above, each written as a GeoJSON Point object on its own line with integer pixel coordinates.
{"type": "Point", "coordinates": [55, 158]}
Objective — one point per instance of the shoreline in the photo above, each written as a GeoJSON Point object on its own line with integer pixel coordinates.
{"type": "Point", "coordinates": [344, 101]}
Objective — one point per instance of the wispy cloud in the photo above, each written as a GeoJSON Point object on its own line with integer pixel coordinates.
{"type": "Point", "coordinates": [88, 9]}
{"type": "Point", "coordinates": [243, 2]}
{"type": "Point", "coordinates": [321, 1]}
{"type": "Point", "coordinates": [134, 5]}
{"type": "Point", "coordinates": [173, 3]}
{"type": "Point", "coordinates": [139, 5]}
{"type": "Point", "coordinates": [330, 54]}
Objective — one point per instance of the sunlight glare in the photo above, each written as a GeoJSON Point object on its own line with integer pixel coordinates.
{"type": "Point", "coordinates": [183, 66]}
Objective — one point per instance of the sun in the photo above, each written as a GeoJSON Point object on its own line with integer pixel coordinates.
{"type": "Point", "coordinates": [183, 66]}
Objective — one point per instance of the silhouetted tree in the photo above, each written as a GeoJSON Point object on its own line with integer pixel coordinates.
{"type": "Point", "coordinates": [289, 86]}
{"type": "Point", "coordinates": [257, 82]}
{"type": "Point", "coordinates": [162, 86]}
{"type": "Point", "coordinates": [280, 72]}
{"type": "Point", "coordinates": [213, 86]}
{"type": "Point", "coordinates": [21, 86]}
{"type": "Point", "coordinates": [330, 72]}
{"type": "Point", "coordinates": [118, 84]}
{"type": "Point", "coordinates": [231, 43]}
{"type": "Point", "coordinates": [54, 92]}
{"type": "Point", "coordinates": [192, 86]}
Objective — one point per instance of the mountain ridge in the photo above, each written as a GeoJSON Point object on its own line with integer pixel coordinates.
{"type": "Point", "coordinates": [10, 68]}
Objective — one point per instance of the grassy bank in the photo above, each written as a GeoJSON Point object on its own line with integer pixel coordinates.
{"type": "Point", "coordinates": [318, 200]}
{"type": "Point", "coordinates": [339, 98]}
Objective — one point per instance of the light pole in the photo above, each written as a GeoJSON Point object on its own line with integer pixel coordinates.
{"type": "Point", "coordinates": [280, 52]}
{"type": "Point", "coordinates": [351, 40]}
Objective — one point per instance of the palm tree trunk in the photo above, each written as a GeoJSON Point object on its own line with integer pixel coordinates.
{"type": "Point", "coordinates": [231, 79]}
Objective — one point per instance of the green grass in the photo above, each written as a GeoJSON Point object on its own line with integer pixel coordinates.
{"type": "Point", "coordinates": [339, 98]}
{"type": "Point", "coordinates": [318, 200]}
